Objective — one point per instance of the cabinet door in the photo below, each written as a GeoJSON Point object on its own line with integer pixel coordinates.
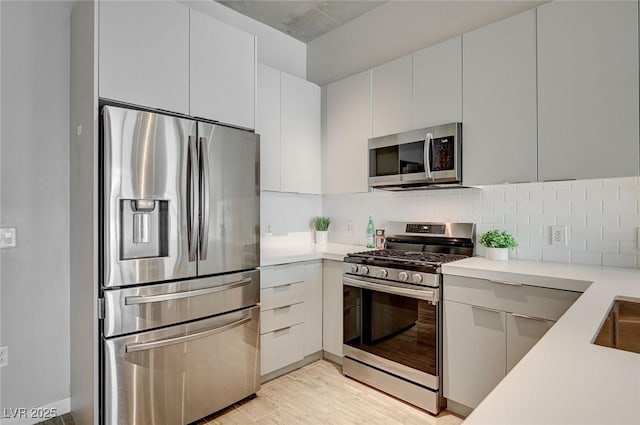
{"type": "Point", "coordinates": [144, 54]}
{"type": "Point", "coordinates": [588, 90]}
{"type": "Point", "coordinates": [332, 307]}
{"type": "Point", "coordinates": [222, 70]}
{"type": "Point", "coordinates": [268, 126]}
{"type": "Point", "coordinates": [474, 352]}
{"type": "Point", "coordinates": [300, 156]}
{"type": "Point", "coordinates": [523, 333]}
{"type": "Point", "coordinates": [499, 109]}
{"type": "Point", "coordinates": [391, 97]}
{"type": "Point", "coordinates": [348, 120]}
{"type": "Point", "coordinates": [437, 84]}
{"type": "Point", "coordinates": [313, 308]}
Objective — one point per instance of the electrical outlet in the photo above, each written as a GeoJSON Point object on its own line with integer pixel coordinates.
{"type": "Point", "coordinates": [8, 237]}
{"type": "Point", "coordinates": [4, 356]}
{"type": "Point", "coordinates": [268, 230]}
{"type": "Point", "coordinates": [559, 235]}
{"type": "Point", "coordinates": [350, 227]}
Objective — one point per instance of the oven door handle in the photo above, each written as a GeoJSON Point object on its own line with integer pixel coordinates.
{"type": "Point", "coordinates": [427, 155]}
{"type": "Point", "coordinates": [419, 294]}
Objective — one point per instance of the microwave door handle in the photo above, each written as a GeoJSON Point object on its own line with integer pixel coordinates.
{"type": "Point", "coordinates": [204, 198]}
{"type": "Point", "coordinates": [192, 209]}
{"type": "Point", "coordinates": [427, 154]}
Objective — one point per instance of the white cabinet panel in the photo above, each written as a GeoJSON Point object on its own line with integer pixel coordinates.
{"type": "Point", "coordinates": [300, 131]}
{"type": "Point", "coordinates": [522, 334]}
{"type": "Point", "coordinates": [437, 84]}
{"type": "Point", "coordinates": [588, 89]}
{"type": "Point", "coordinates": [348, 116]}
{"type": "Point", "coordinates": [499, 108]}
{"type": "Point", "coordinates": [144, 53]}
{"type": "Point", "coordinates": [281, 348]}
{"type": "Point", "coordinates": [391, 97]}
{"type": "Point", "coordinates": [474, 352]}
{"type": "Point", "coordinates": [313, 308]}
{"type": "Point", "coordinates": [268, 126]}
{"type": "Point", "coordinates": [281, 296]}
{"type": "Point", "coordinates": [332, 307]}
{"type": "Point", "coordinates": [222, 67]}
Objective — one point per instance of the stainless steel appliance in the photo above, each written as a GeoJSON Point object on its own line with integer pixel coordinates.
{"type": "Point", "coordinates": [180, 250]}
{"type": "Point", "coordinates": [426, 158]}
{"type": "Point", "coordinates": [392, 320]}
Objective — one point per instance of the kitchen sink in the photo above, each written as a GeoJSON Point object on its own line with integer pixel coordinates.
{"type": "Point", "coordinates": [621, 328]}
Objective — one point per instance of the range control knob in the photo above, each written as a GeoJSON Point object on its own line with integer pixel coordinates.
{"type": "Point", "coordinates": [364, 270]}
{"type": "Point", "coordinates": [417, 278]}
{"type": "Point", "coordinates": [383, 273]}
{"type": "Point", "coordinates": [403, 276]}
{"type": "Point", "coordinates": [354, 269]}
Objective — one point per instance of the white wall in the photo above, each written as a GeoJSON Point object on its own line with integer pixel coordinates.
{"type": "Point", "coordinates": [285, 218]}
{"type": "Point", "coordinates": [34, 152]}
{"type": "Point", "coordinates": [275, 48]}
{"type": "Point", "coordinates": [601, 216]}
{"type": "Point", "coordinates": [398, 28]}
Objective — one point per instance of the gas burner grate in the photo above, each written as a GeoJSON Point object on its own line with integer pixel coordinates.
{"type": "Point", "coordinates": [415, 257]}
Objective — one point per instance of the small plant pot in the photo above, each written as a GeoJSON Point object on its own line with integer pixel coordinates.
{"type": "Point", "coordinates": [322, 237]}
{"type": "Point", "coordinates": [501, 254]}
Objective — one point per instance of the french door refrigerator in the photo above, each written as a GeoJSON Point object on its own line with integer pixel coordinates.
{"type": "Point", "coordinates": [180, 251]}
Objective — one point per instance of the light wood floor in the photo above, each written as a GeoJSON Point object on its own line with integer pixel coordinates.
{"type": "Point", "coordinates": [319, 394]}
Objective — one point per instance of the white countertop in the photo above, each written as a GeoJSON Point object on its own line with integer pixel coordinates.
{"type": "Point", "coordinates": [291, 253]}
{"type": "Point", "coordinates": [565, 379]}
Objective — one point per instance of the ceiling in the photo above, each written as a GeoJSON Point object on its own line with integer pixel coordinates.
{"type": "Point", "coordinates": [303, 20]}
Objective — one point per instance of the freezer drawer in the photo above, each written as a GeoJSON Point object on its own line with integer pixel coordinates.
{"type": "Point", "coordinates": [137, 309]}
{"type": "Point", "coordinates": [179, 374]}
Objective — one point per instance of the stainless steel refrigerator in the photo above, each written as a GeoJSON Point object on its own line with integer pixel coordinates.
{"type": "Point", "coordinates": [180, 249]}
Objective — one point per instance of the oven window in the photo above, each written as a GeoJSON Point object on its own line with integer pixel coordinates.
{"type": "Point", "coordinates": [442, 154]}
{"type": "Point", "coordinates": [412, 158]}
{"type": "Point", "coordinates": [397, 328]}
{"type": "Point", "coordinates": [385, 161]}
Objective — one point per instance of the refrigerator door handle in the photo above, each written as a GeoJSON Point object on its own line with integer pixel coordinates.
{"type": "Point", "coordinates": [132, 348]}
{"type": "Point", "coordinates": [146, 299]}
{"type": "Point", "coordinates": [204, 198]}
{"type": "Point", "coordinates": [192, 181]}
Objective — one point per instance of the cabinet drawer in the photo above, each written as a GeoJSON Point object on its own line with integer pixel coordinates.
{"type": "Point", "coordinates": [512, 297]}
{"type": "Point", "coordinates": [285, 273]}
{"type": "Point", "coordinates": [281, 295]}
{"type": "Point", "coordinates": [281, 348]}
{"type": "Point", "coordinates": [281, 317]}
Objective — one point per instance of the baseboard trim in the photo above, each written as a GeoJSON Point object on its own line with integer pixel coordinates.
{"type": "Point", "coordinates": [290, 368]}
{"type": "Point", "coordinates": [458, 409]}
{"type": "Point", "coordinates": [334, 358]}
{"type": "Point", "coordinates": [26, 416]}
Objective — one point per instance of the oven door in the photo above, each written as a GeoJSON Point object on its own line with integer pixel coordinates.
{"type": "Point", "coordinates": [393, 327]}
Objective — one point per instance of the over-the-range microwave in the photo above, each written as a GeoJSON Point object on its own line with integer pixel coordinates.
{"type": "Point", "coordinates": [418, 159]}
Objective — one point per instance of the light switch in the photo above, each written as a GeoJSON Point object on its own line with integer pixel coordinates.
{"type": "Point", "coordinates": [8, 237]}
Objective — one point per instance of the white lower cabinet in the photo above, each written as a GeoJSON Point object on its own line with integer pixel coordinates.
{"type": "Point", "coordinates": [332, 307]}
{"type": "Point", "coordinates": [488, 328]}
{"type": "Point", "coordinates": [291, 314]}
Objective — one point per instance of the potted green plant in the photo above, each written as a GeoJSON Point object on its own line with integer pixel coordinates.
{"type": "Point", "coordinates": [321, 226]}
{"type": "Point", "coordinates": [498, 243]}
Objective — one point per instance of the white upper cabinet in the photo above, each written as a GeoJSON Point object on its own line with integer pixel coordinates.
{"type": "Point", "coordinates": [300, 156]}
{"type": "Point", "coordinates": [268, 126]}
{"type": "Point", "coordinates": [588, 89]}
{"type": "Point", "coordinates": [348, 117]}
{"type": "Point", "coordinates": [499, 109]}
{"type": "Point", "coordinates": [391, 97]}
{"type": "Point", "coordinates": [437, 84]}
{"type": "Point", "coordinates": [144, 53]}
{"type": "Point", "coordinates": [222, 64]}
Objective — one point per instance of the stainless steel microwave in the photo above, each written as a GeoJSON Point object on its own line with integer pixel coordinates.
{"type": "Point", "coordinates": [417, 159]}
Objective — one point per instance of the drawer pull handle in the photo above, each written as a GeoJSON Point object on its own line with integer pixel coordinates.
{"type": "Point", "coordinates": [285, 307]}
{"type": "Point", "coordinates": [283, 285]}
{"type": "Point", "coordinates": [492, 310]}
{"type": "Point", "coordinates": [281, 330]}
{"type": "Point", "coordinates": [503, 282]}
{"type": "Point", "coordinates": [524, 316]}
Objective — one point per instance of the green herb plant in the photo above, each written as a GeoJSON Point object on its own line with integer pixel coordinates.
{"type": "Point", "coordinates": [321, 223]}
{"type": "Point", "coordinates": [498, 239]}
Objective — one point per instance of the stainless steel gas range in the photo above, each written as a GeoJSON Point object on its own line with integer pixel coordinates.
{"type": "Point", "coordinates": [392, 319]}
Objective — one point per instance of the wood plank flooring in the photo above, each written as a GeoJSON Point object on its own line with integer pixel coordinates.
{"type": "Point", "coordinates": [319, 394]}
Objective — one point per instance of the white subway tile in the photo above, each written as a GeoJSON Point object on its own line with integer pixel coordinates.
{"type": "Point", "coordinates": [516, 196]}
{"type": "Point", "coordinates": [556, 207]}
{"type": "Point", "coordinates": [493, 218]}
{"type": "Point", "coordinates": [602, 220]}
{"type": "Point", "coordinates": [630, 193]}
{"type": "Point", "coordinates": [586, 184]}
{"type": "Point", "coordinates": [603, 194]}
{"type": "Point", "coordinates": [516, 218]}
{"type": "Point", "coordinates": [589, 206]}
{"type": "Point", "coordinates": [628, 206]}
{"type": "Point", "coordinates": [538, 241]}
{"type": "Point", "coordinates": [618, 233]}
{"type": "Point", "coordinates": [529, 187]}
{"type": "Point", "coordinates": [529, 207]}
{"type": "Point", "coordinates": [575, 219]}
{"type": "Point", "coordinates": [609, 247]}
{"type": "Point", "coordinates": [531, 254]}
{"type": "Point", "coordinates": [585, 232]}
{"type": "Point", "coordinates": [543, 219]}
{"type": "Point", "coordinates": [556, 255]}
{"type": "Point", "coordinates": [573, 194]}
{"type": "Point", "coordinates": [592, 258]}
{"type": "Point", "coordinates": [577, 244]}
{"type": "Point", "coordinates": [629, 219]}
{"type": "Point", "coordinates": [619, 260]}
{"type": "Point", "coordinates": [619, 182]}
{"type": "Point", "coordinates": [504, 207]}
{"type": "Point", "coordinates": [544, 195]}
{"type": "Point", "coordinates": [627, 247]}
{"type": "Point", "coordinates": [529, 229]}
{"type": "Point", "coordinates": [557, 185]}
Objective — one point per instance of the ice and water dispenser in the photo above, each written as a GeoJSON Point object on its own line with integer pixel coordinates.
{"type": "Point", "coordinates": [144, 227]}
